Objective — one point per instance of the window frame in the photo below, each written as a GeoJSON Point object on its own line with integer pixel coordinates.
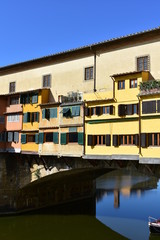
{"type": "Point", "coordinates": [48, 80]}
{"type": "Point", "coordinates": [143, 68]}
{"type": "Point", "coordinates": [121, 84]}
{"type": "Point", "coordinates": [12, 89]}
{"type": "Point", "coordinates": [14, 100]}
{"type": "Point", "coordinates": [135, 83]}
{"type": "Point", "coordinates": [89, 73]}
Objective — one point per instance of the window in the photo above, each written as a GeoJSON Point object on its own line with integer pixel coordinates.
{"type": "Point", "coordinates": [106, 109]}
{"type": "Point", "coordinates": [2, 119]}
{"type": "Point", "coordinates": [121, 84]}
{"type": "Point", "coordinates": [127, 139]}
{"type": "Point", "coordinates": [14, 100]}
{"type": "Point", "coordinates": [88, 73]}
{"type": "Point", "coordinates": [143, 63]}
{"type": "Point", "coordinates": [49, 137]}
{"type": "Point", "coordinates": [100, 140]}
{"type": "Point", "coordinates": [73, 137]}
{"type": "Point", "coordinates": [29, 98]}
{"type": "Point", "coordinates": [154, 139]}
{"type": "Point", "coordinates": [149, 107]}
{"type": "Point", "coordinates": [35, 117]}
{"type": "Point", "coordinates": [12, 87]}
{"type": "Point", "coordinates": [133, 83]}
{"type": "Point", "coordinates": [30, 138]}
{"type": "Point", "coordinates": [13, 118]}
{"type": "Point", "coordinates": [46, 81]}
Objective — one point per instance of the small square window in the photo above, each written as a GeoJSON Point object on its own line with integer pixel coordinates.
{"type": "Point", "coordinates": [133, 83]}
{"type": "Point", "coordinates": [46, 81]}
{"type": "Point", "coordinates": [143, 63]}
{"type": "Point", "coordinates": [88, 73]}
{"type": "Point", "coordinates": [121, 84]}
{"type": "Point", "coordinates": [12, 87]}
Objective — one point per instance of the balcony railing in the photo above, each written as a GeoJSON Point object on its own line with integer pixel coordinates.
{"type": "Point", "coordinates": [150, 87]}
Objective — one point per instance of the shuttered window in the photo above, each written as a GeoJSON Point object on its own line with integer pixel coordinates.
{"type": "Point", "coordinates": [149, 107]}
{"type": "Point", "coordinates": [115, 141]}
{"type": "Point", "coordinates": [80, 138]}
{"type": "Point", "coordinates": [55, 137]}
{"type": "Point", "coordinates": [63, 138]}
{"type": "Point", "coordinates": [23, 138]}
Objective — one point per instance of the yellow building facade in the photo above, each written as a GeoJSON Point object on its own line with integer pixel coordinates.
{"type": "Point", "coordinates": [124, 124]}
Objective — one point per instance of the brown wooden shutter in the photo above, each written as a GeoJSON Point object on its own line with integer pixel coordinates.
{"type": "Point", "coordinates": [115, 141]}
{"type": "Point", "coordinates": [111, 110]}
{"type": "Point", "coordinates": [143, 140]}
{"type": "Point", "coordinates": [158, 106]}
{"type": "Point", "coordinates": [121, 110]}
{"type": "Point", "coordinates": [90, 140]}
{"type": "Point", "coordinates": [87, 111]}
{"type": "Point", "coordinates": [108, 140]}
{"type": "Point", "coordinates": [137, 139]}
{"type": "Point", "coordinates": [98, 111]}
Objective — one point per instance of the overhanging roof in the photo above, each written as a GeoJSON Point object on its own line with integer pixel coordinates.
{"type": "Point", "coordinates": [143, 36]}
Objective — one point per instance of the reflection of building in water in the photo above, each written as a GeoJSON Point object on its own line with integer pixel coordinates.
{"type": "Point", "coordinates": [116, 198]}
{"type": "Point", "coordinates": [117, 183]}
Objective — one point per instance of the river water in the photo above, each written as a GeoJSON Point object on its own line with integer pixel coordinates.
{"type": "Point", "coordinates": [123, 202]}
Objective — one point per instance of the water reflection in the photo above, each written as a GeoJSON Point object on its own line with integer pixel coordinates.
{"type": "Point", "coordinates": [125, 199]}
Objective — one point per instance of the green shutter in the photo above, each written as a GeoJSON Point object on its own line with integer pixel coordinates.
{"type": "Point", "coordinates": [55, 137]}
{"type": "Point", "coordinates": [37, 138]}
{"type": "Point", "coordinates": [23, 138]}
{"type": "Point", "coordinates": [25, 117]}
{"type": "Point", "coordinates": [43, 113]}
{"type": "Point", "coordinates": [37, 117]}
{"type": "Point", "coordinates": [41, 137]}
{"type": "Point", "coordinates": [73, 111]}
{"type": "Point", "coordinates": [80, 138]}
{"type": "Point", "coordinates": [53, 112]}
{"type": "Point", "coordinates": [63, 138]}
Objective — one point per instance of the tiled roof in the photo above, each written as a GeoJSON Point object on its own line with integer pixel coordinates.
{"type": "Point", "coordinates": [91, 47]}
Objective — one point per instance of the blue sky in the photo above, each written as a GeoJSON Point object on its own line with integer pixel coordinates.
{"type": "Point", "coordinates": [35, 28]}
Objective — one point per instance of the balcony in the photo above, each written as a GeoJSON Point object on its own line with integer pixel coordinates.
{"type": "Point", "coordinates": [150, 87]}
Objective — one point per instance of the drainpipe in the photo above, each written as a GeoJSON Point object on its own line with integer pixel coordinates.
{"type": "Point", "coordinates": [139, 125]}
{"type": "Point", "coordinates": [113, 87]}
{"type": "Point", "coordinates": [94, 52]}
{"type": "Point", "coordinates": [84, 139]}
{"type": "Point", "coordinates": [95, 72]}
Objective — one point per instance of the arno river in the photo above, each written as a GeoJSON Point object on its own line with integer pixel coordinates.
{"type": "Point", "coordinates": [123, 202]}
